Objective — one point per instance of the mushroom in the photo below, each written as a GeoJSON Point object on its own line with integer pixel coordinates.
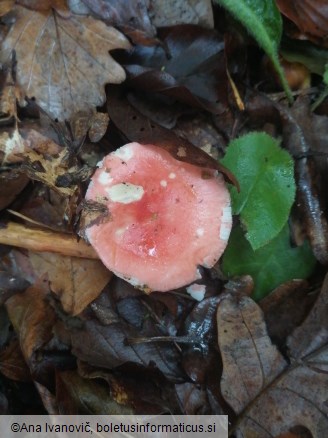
{"type": "Point", "coordinates": [166, 217]}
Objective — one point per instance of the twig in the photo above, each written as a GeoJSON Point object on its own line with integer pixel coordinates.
{"type": "Point", "coordinates": [34, 239]}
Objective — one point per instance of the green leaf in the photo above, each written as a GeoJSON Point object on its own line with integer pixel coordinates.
{"type": "Point", "coordinates": [263, 21]}
{"type": "Point", "coordinates": [267, 187]}
{"type": "Point", "coordinates": [269, 266]}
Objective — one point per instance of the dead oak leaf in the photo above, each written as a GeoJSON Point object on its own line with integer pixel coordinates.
{"type": "Point", "coordinates": [63, 63]}
{"type": "Point", "coordinates": [76, 281]}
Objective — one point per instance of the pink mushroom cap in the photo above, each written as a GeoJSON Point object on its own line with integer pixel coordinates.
{"type": "Point", "coordinates": [166, 217]}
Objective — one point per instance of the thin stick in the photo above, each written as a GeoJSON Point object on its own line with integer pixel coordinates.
{"type": "Point", "coordinates": [34, 239]}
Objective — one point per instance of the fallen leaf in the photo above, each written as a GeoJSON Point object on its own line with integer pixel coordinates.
{"type": "Point", "coordinates": [298, 397]}
{"type": "Point", "coordinates": [12, 364]}
{"type": "Point", "coordinates": [76, 281]}
{"type": "Point", "coordinates": [45, 5]}
{"type": "Point", "coordinates": [286, 307]}
{"type": "Point", "coordinates": [10, 285]}
{"type": "Point", "coordinates": [33, 320]}
{"type": "Point", "coordinates": [6, 6]}
{"type": "Point", "coordinates": [130, 17]}
{"type": "Point", "coordinates": [84, 396]}
{"type": "Point", "coordinates": [313, 332]}
{"type": "Point", "coordinates": [99, 124]}
{"type": "Point", "coordinates": [250, 361]}
{"type": "Point", "coordinates": [169, 13]}
{"type": "Point", "coordinates": [108, 347]}
{"type": "Point", "coordinates": [310, 16]}
{"type": "Point", "coordinates": [193, 399]}
{"type": "Point", "coordinates": [191, 69]}
{"type": "Point", "coordinates": [11, 184]}
{"type": "Point", "coordinates": [70, 64]}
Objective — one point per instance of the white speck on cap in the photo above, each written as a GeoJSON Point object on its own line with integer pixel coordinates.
{"type": "Point", "coordinates": [125, 193]}
{"type": "Point", "coordinates": [200, 232]}
{"type": "Point", "coordinates": [197, 291]}
{"type": "Point", "coordinates": [226, 214]}
{"type": "Point", "coordinates": [225, 231]}
{"type": "Point", "coordinates": [163, 183]}
{"type": "Point", "coordinates": [124, 153]}
{"type": "Point", "coordinates": [105, 179]}
{"type": "Point", "coordinates": [172, 175]}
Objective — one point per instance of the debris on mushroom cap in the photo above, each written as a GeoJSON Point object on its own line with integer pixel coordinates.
{"type": "Point", "coordinates": [166, 217]}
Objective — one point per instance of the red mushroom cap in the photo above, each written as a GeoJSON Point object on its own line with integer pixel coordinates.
{"type": "Point", "coordinates": [166, 217]}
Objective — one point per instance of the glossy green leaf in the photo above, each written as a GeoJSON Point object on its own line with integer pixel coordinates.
{"type": "Point", "coordinates": [267, 187]}
{"type": "Point", "coordinates": [263, 21]}
{"type": "Point", "coordinates": [269, 266]}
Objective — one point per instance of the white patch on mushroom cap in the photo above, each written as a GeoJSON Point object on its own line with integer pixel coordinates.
{"type": "Point", "coordinates": [124, 153]}
{"type": "Point", "coordinates": [200, 232]}
{"type": "Point", "coordinates": [172, 175]}
{"type": "Point", "coordinates": [163, 183]}
{"type": "Point", "coordinates": [105, 179]}
{"type": "Point", "coordinates": [225, 232]}
{"type": "Point", "coordinates": [197, 291]}
{"type": "Point", "coordinates": [125, 193]}
{"type": "Point", "coordinates": [225, 223]}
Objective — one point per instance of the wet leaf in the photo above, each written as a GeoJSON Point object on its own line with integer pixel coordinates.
{"type": "Point", "coordinates": [76, 281]}
{"type": "Point", "coordinates": [286, 308]}
{"type": "Point", "coordinates": [267, 188]}
{"type": "Point", "coordinates": [263, 21]}
{"type": "Point", "coordinates": [108, 347]}
{"type": "Point", "coordinates": [310, 16]}
{"type": "Point", "coordinates": [250, 361]}
{"type": "Point", "coordinates": [270, 265]}
{"type": "Point", "coordinates": [12, 363]}
{"type": "Point", "coordinates": [84, 396]}
{"type": "Point", "coordinates": [63, 61]}
{"type": "Point", "coordinates": [191, 69]}
{"type": "Point", "coordinates": [193, 399]}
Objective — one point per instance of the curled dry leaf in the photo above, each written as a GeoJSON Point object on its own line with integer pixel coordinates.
{"type": "Point", "coordinates": [250, 360]}
{"type": "Point", "coordinates": [76, 281]}
{"type": "Point", "coordinates": [69, 66]}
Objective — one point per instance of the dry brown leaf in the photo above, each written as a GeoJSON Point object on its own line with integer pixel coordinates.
{"type": "Point", "coordinates": [76, 281]}
{"type": "Point", "coordinates": [297, 398]}
{"type": "Point", "coordinates": [171, 12]}
{"type": "Point", "coordinates": [99, 124]}
{"type": "Point", "coordinates": [32, 319]}
{"type": "Point", "coordinates": [45, 5]}
{"type": "Point", "coordinates": [69, 65]}
{"type": "Point", "coordinates": [12, 364]}
{"type": "Point", "coordinates": [313, 332]}
{"type": "Point", "coordinates": [6, 6]}
{"type": "Point", "coordinates": [269, 396]}
{"type": "Point", "coordinates": [250, 361]}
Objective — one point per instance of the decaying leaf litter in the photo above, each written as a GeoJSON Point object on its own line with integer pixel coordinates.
{"type": "Point", "coordinates": [78, 80]}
